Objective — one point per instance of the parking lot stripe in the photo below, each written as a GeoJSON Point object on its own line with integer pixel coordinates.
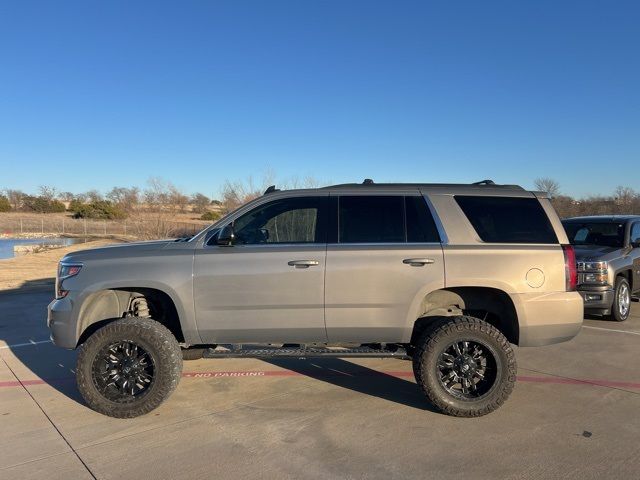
{"type": "Point", "coordinates": [611, 330]}
{"type": "Point", "coordinates": [23, 385]}
{"type": "Point", "coordinates": [26, 344]}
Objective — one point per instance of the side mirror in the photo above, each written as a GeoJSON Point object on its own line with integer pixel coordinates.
{"type": "Point", "coordinates": [226, 236]}
{"type": "Point", "coordinates": [635, 243]}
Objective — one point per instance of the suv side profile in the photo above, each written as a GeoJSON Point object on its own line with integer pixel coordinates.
{"type": "Point", "coordinates": [448, 276]}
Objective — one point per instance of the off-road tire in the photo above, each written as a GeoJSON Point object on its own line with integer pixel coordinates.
{"type": "Point", "coordinates": [156, 340]}
{"type": "Point", "coordinates": [437, 339]}
{"type": "Point", "coordinates": [616, 313]}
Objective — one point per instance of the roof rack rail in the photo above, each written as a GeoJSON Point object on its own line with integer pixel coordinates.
{"type": "Point", "coordinates": [484, 182]}
{"type": "Point", "coordinates": [271, 189]}
{"type": "Point", "coordinates": [373, 186]}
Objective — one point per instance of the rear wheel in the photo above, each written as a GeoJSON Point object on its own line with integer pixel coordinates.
{"type": "Point", "coordinates": [465, 366]}
{"type": "Point", "coordinates": [128, 367]}
{"type": "Point", "coordinates": [621, 306]}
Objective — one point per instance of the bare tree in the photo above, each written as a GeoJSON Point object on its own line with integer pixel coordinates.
{"type": "Point", "coordinates": [297, 182]}
{"type": "Point", "coordinates": [126, 198]}
{"type": "Point", "coordinates": [92, 196]}
{"type": "Point", "coordinates": [15, 198]}
{"type": "Point", "coordinates": [236, 193]}
{"type": "Point", "coordinates": [66, 196]}
{"type": "Point", "coordinates": [47, 192]}
{"type": "Point", "coordinates": [156, 195]}
{"type": "Point", "coordinates": [548, 185]}
{"type": "Point", "coordinates": [200, 202]}
{"type": "Point", "coordinates": [625, 195]}
{"type": "Point", "coordinates": [178, 200]}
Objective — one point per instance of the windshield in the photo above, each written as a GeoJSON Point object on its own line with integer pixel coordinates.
{"type": "Point", "coordinates": [606, 234]}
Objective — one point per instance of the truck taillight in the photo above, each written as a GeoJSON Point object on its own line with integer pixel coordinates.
{"type": "Point", "coordinates": [570, 267]}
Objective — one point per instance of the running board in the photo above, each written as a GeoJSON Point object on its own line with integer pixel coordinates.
{"type": "Point", "coordinates": [248, 351]}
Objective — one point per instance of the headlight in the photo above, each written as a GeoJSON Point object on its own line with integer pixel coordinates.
{"type": "Point", "coordinates": [65, 270]}
{"type": "Point", "coordinates": [595, 273]}
{"type": "Point", "coordinates": [592, 266]}
{"type": "Point", "coordinates": [595, 278]}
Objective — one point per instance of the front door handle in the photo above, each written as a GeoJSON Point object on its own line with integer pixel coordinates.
{"type": "Point", "coordinates": [303, 263]}
{"type": "Point", "coordinates": [418, 262]}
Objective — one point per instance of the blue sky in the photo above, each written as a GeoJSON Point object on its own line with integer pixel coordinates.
{"type": "Point", "coordinates": [97, 94]}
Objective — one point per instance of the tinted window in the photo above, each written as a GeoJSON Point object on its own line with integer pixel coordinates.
{"type": "Point", "coordinates": [289, 220]}
{"type": "Point", "coordinates": [420, 224]}
{"type": "Point", "coordinates": [371, 219]}
{"type": "Point", "coordinates": [635, 232]}
{"type": "Point", "coordinates": [508, 220]}
{"type": "Point", "coordinates": [385, 219]}
{"type": "Point", "coordinates": [608, 234]}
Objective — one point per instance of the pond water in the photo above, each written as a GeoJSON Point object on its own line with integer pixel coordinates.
{"type": "Point", "coordinates": [7, 244]}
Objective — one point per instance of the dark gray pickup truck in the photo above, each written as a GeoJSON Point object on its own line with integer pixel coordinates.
{"type": "Point", "coordinates": [608, 254]}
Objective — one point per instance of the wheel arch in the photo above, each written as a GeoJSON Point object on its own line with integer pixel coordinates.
{"type": "Point", "coordinates": [627, 273]}
{"type": "Point", "coordinates": [109, 304]}
{"type": "Point", "coordinates": [487, 303]}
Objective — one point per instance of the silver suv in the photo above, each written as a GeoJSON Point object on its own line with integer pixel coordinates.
{"type": "Point", "coordinates": [446, 275]}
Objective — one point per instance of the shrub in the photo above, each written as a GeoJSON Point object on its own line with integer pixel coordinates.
{"type": "Point", "coordinates": [210, 216]}
{"type": "Point", "coordinates": [200, 202]}
{"type": "Point", "coordinates": [42, 205]}
{"type": "Point", "coordinates": [5, 206]}
{"type": "Point", "coordinates": [102, 209]}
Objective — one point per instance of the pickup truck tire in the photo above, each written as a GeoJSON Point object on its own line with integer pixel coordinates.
{"type": "Point", "coordinates": [128, 367]}
{"type": "Point", "coordinates": [464, 366]}
{"type": "Point", "coordinates": [621, 306]}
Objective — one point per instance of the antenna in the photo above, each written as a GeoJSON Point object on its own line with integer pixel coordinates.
{"type": "Point", "coordinates": [367, 181]}
{"type": "Point", "coordinates": [271, 189]}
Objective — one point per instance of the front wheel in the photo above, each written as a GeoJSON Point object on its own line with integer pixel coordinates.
{"type": "Point", "coordinates": [465, 366]}
{"type": "Point", "coordinates": [621, 300]}
{"type": "Point", "coordinates": [128, 367]}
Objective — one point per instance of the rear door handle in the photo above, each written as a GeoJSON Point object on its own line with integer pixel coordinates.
{"type": "Point", "coordinates": [303, 263]}
{"type": "Point", "coordinates": [418, 262]}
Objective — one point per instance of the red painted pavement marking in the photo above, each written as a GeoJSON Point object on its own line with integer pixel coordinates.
{"type": "Point", "coordinates": [24, 382]}
{"type": "Point", "coordinates": [575, 381]}
{"type": "Point", "coordinates": [289, 373]}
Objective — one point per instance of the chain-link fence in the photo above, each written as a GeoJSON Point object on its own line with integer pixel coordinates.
{"type": "Point", "coordinates": [148, 228]}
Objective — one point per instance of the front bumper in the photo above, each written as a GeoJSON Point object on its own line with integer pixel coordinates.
{"type": "Point", "coordinates": [597, 302]}
{"type": "Point", "coordinates": [61, 323]}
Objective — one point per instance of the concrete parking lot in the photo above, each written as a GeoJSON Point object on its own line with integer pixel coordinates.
{"type": "Point", "coordinates": [573, 414]}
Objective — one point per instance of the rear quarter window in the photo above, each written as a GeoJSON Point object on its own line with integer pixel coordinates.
{"type": "Point", "coordinates": [507, 219]}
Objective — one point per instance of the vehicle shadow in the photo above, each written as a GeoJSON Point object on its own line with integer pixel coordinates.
{"type": "Point", "coordinates": [34, 360]}
{"type": "Point", "coordinates": [26, 349]}
{"type": "Point", "coordinates": [602, 318]}
{"type": "Point", "coordinates": [358, 378]}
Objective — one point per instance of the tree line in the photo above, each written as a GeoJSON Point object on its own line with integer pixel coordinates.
{"type": "Point", "coordinates": [623, 201]}
{"type": "Point", "coordinates": [163, 198]}
{"type": "Point", "coordinates": [159, 196]}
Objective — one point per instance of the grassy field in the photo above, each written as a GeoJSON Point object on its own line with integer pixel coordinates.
{"type": "Point", "coordinates": [142, 225]}
{"type": "Point", "coordinates": [39, 269]}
